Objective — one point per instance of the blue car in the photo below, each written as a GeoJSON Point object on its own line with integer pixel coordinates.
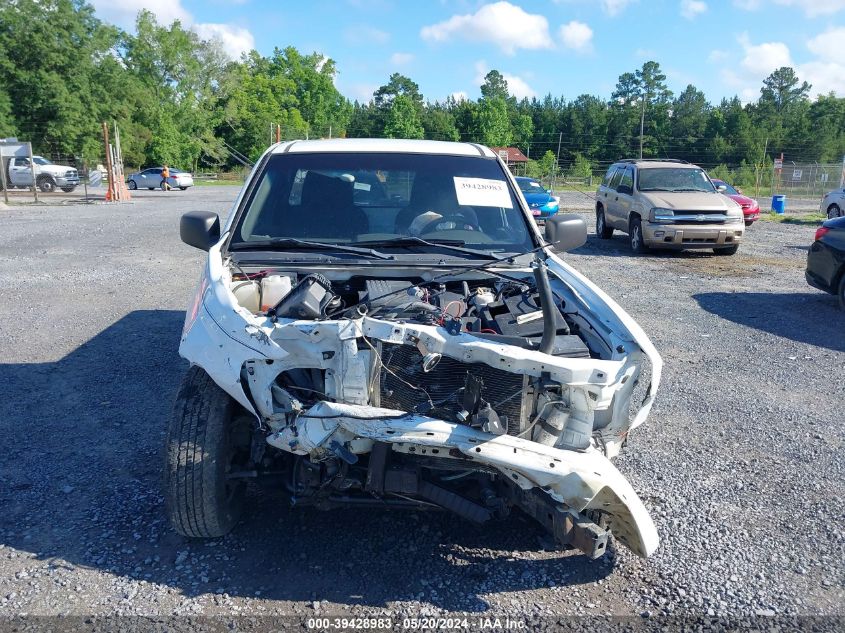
{"type": "Point", "coordinates": [541, 202]}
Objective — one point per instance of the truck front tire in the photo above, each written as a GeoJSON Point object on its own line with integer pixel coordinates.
{"type": "Point", "coordinates": [202, 501]}
{"type": "Point", "coordinates": [46, 184]}
{"type": "Point", "coordinates": [635, 234]}
{"type": "Point", "coordinates": [727, 250]}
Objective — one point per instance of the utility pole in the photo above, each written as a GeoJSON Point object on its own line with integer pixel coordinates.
{"type": "Point", "coordinates": [642, 122]}
{"type": "Point", "coordinates": [557, 161]}
{"type": "Point", "coordinates": [760, 169]}
{"type": "Point", "coordinates": [278, 133]}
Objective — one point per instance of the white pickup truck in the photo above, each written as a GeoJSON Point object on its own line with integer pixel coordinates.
{"type": "Point", "coordinates": [48, 176]}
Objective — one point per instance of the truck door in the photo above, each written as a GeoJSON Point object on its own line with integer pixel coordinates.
{"type": "Point", "coordinates": [611, 198]}
{"type": "Point", "coordinates": [623, 199]}
{"type": "Point", "coordinates": [604, 189]}
{"type": "Point", "coordinates": [20, 172]}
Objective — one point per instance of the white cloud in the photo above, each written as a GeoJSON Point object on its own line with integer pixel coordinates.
{"type": "Point", "coordinates": [364, 34]}
{"type": "Point", "coordinates": [507, 26]}
{"type": "Point", "coordinates": [518, 87]}
{"type": "Point", "coordinates": [825, 77]}
{"type": "Point", "coordinates": [235, 40]}
{"type": "Point", "coordinates": [124, 12]}
{"type": "Point", "coordinates": [645, 53]}
{"type": "Point", "coordinates": [825, 72]}
{"type": "Point", "coordinates": [609, 7]}
{"type": "Point", "coordinates": [717, 56]}
{"type": "Point", "coordinates": [691, 9]}
{"type": "Point", "coordinates": [614, 7]}
{"type": "Point", "coordinates": [759, 60]}
{"type": "Point", "coordinates": [811, 8]}
{"type": "Point", "coordinates": [460, 95]}
{"type": "Point", "coordinates": [401, 59]}
{"type": "Point", "coordinates": [577, 36]}
{"type": "Point", "coordinates": [828, 45]}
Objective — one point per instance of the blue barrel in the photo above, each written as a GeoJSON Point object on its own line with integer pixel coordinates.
{"type": "Point", "coordinates": [779, 203]}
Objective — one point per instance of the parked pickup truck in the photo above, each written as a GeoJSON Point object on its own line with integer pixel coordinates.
{"type": "Point", "coordinates": [48, 176]}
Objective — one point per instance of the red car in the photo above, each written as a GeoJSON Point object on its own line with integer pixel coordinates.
{"type": "Point", "coordinates": [750, 208]}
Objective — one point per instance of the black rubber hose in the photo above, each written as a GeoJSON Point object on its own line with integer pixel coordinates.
{"type": "Point", "coordinates": [547, 304]}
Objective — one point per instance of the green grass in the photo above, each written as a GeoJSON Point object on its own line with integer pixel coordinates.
{"type": "Point", "coordinates": [218, 183]}
{"type": "Point", "coordinates": [805, 219]}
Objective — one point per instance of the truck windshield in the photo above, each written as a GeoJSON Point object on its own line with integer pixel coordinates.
{"type": "Point", "coordinates": [674, 179]}
{"type": "Point", "coordinates": [346, 198]}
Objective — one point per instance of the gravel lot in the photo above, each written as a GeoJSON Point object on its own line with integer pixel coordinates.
{"type": "Point", "coordinates": [741, 462]}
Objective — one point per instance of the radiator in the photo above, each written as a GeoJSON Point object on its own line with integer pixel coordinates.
{"type": "Point", "coordinates": [444, 384]}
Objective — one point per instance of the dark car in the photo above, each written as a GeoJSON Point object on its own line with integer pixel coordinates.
{"type": "Point", "coordinates": [826, 259]}
{"type": "Point", "coordinates": [750, 207]}
{"type": "Point", "coordinates": [541, 201]}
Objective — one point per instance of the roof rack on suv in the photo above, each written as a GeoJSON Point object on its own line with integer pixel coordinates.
{"type": "Point", "coordinates": [653, 160]}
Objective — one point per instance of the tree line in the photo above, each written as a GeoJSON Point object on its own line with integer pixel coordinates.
{"type": "Point", "coordinates": [180, 100]}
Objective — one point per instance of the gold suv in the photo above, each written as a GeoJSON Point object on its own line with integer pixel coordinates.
{"type": "Point", "coordinates": [664, 203]}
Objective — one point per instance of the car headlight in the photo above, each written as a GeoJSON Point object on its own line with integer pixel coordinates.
{"type": "Point", "coordinates": [734, 219]}
{"type": "Point", "coordinates": [659, 215]}
{"type": "Point", "coordinates": [551, 204]}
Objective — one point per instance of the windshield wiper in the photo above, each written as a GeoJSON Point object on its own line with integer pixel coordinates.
{"type": "Point", "coordinates": [691, 189]}
{"type": "Point", "coordinates": [286, 243]}
{"type": "Point", "coordinates": [411, 240]}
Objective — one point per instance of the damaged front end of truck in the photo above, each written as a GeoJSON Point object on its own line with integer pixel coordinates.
{"type": "Point", "coordinates": [482, 389]}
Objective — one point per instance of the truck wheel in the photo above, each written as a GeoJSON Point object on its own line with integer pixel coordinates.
{"type": "Point", "coordinates": [46, 184]}
{"type": "Point", "coordinates": [833, 211]}
{"type": "Point", "coordinates": [203, 445]}
{"type": "Point", "coordinates": [602, 230]}
{"type": "Point", "coordinates": [727, 250]}
{"type": "Point", "coordinates": [635, 233]}
{"type": "Point", "coordinates": [68, 189]}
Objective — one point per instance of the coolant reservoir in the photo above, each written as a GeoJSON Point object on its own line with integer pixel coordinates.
{"type": "Point", "coordinates": [246, 293]}
{"type": "Point", "coordinates": [273, 289]}
{"type": "Point", "coordinates": [482, 297]}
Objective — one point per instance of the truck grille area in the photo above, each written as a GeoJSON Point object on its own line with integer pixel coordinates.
{"type": "Point", "coordinates": [444, 386]}
{"type": "Point", "coordinates": [699, 217]}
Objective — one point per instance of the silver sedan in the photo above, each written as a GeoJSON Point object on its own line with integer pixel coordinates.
{"type": "Point", "coordinates": [151, 179]}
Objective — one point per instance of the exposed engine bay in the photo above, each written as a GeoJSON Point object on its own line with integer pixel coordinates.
{"type": "Point", "coordinates": [481, 393]}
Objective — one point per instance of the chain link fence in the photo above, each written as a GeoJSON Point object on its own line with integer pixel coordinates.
{"type": "Point", "coordinates": [806, 179]}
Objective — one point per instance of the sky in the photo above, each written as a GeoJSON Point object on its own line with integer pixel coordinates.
{"type": "Point", "coordinates": [560, 47]}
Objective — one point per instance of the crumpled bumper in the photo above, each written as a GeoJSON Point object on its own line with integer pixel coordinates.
{"type": "Point", "coordinates": [580, 480]}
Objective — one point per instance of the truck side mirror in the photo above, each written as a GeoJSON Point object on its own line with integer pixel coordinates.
{"type": "Point", "coordinates": [200, 229]}
{"type": "Point", "coordinates": [566, 232]}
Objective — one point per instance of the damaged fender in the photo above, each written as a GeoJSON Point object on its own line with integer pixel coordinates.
{"type": "Point", "coordinates": [214, 322]}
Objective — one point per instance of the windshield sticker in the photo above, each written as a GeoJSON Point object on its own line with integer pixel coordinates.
{"type": "Point", "coordinates": [482, 192]}
{"type": "Point", "coordinates": [363, 186]}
